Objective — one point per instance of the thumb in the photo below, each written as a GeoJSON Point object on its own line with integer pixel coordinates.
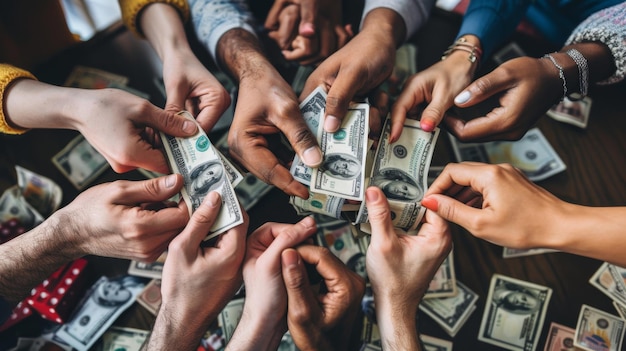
{"type": "Point", "coordinates": [379, 216]}
{"type": "Point", "coordinates": [300, 299]}
{"type": "Point", "coordinates": [482, 88]}
{"type": "Point", "coordinates": [151, 190]}
{"type": "Point", "coordinates": [434, 112]}
{"type": "Point", "coordinates": [452, 210]}
{"type": "Point", "coordinates": [170, 123]}
{"type": "Point", "coordinates": [200, 222]}
{"type": "Point", "coordinates": [338, 100]}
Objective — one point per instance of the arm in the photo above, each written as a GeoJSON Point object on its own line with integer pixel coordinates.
{"type": "Point", "coordinates": [105, 220]}
{"type": "Point", "coordinates": [400, 268]}
{"type": "Point", "coordinates": [500, 205]}
{"type": "Point", "coordinates": [197, 281]}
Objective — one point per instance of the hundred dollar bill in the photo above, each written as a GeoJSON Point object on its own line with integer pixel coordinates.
{"type": "Point", "coordinates": [338, 237]}
{"type": "Point", "coordinates": [575, 113]}
{"type": "Point", "coordinates": [93, 78]}
{"type": "Point", "coordinates": [605, 281]}
{"type": "Point", "coordinates": [230, 316]}
{"type": "Point", "coordinates": [100, 307]}
{"type": "Point", "coordinates": [435, 344]}
{"type": "Point", "coordinates": [201, 167]}
{"type": "Point", "coordinates": [619, 276]}
{"type": "Point", "coordinates": [40, 192]}
{"type": "Point", "coordinates": [620, 309]}
{"type": "Point", "coordinates": [150, 296]}
{"type": "Point", "coordinates": [13, 205]}
{"type": "Point", "coordinates": [532, 154]}
{"type": "Point", "coordinates": [451, 312]}
{"type": "Point", "coordinates": [597, 330]}
{"type": "Point", "coordinates": [312, 109]}
{"type": "Point", "coordinates": [444, 281]}
{"type": "Point", "coordinates": [342, 172]}
{"type": "Point", "coordinates": [514, 313]}
{"type": "Point", "coordinates": [148, 269]}
{"type": "Point", "coordinates": [370, 347]}
{"type": "Point", "coordinates": [509, 253]}
{"type": "Point", "coordinates": [318, 203]}
{"type": "Point", "coordinates": [560, 338]}
{"type": "Point", "coordinates": [401, 170]}
{"type": "Point", "coordinates": [123, 339]}
{"type": "Point", "coordinates": [80, 162]}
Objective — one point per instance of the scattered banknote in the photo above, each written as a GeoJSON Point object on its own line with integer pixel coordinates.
{"type": "Point", "coordinates": [39, 344]}
{"type": "Point", "coordinates": [150, 297]}
{"type": "Point", "coordinates": [508, 52]}
{"type": "Point", "coordinates": [575, 113]}
{"type": "Point", "coordinates": [312, 109]}
{"type": "Point", "coordinates": [620, 309]}
{"type": "Point", "coordinates": [338, 237]}
{"type": "Point", "coordinates": [201, 167]}
{"type": "Point", "coordinates": [80, 162]}
{"type": "Point", "coordinates": [302, 74]}
{"type": "Point", "coordinates": [508, 252]}
{"type": "Point", "coordinates": [123, 339]}
{"type": "Point", "coordinates": [435, 344]}
{"type": "Point", "coordinates": [328, 205]}
{"type": "Point", "coordinates": [14, 205]}
{"type": "Point", "coordinates": [40, 192]}
{"type": "Point", "coordinates": [605, 280]}
{"type": "Point", "coordinates": [451, 312]}
{"type": "Point", "coordinates": [514, 313]}
{"type": "Point", "coordinates": [229, 317]}
{"type": "Point", "coordinates": [148, 269]}
{"type": "Point", "coordinates": [370, 347]}
{"type": "Point", "coordinates": [93, 78]}
{"type": "Point", "coordinates": [597, 330]}
{"type": "Point", "coordinates": [404, 67]}
{"type": "Point", "coordinates": [532, 154]}
{"type": "Point", "coordinates": [444, 281]}
{"type": "Point", "coordinates": [619, 275]}
{"type": "Point", "coordinates": [100, 307]}
{"type": "Point", "coordinates": [560, 338]}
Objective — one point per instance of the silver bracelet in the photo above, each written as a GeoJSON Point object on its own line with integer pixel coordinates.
{"type": "Point", "coordinates": [561, 74]}
{"type": "Point", "coordinates": [583, 74]}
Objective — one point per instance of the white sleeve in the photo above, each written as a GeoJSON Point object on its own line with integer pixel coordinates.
{"type": "Point", "coordinates": [414, 12]}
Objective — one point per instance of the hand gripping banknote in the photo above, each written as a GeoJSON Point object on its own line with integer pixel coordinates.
{"type": "Point", "coordinates": [200, 164]}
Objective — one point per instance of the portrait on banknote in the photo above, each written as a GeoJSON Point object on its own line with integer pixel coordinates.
{"type": "Point", "coordinates": [204, 178]}
{"type": "Point", "coordinates": [356, 264]}
{"type": "Point", "coordinates": [341, 166]}
{"type": "Point", "coordinates": [397, 185]}
{"type": "Point", "coordinates": [80, 162]}
{"type": "Point", "coordinates": [515, 299]}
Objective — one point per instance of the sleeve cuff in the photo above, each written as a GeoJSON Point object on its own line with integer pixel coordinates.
{"type": "Point", "coordinates": [8, 74]}
{"type": "Point", "coordinates": [414, 13]}
{"type": "Point", "coordinates": [132, 8]}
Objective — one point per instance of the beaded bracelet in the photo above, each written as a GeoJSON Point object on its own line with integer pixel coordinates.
{"type": "Point", "coordinates": [475, 53]}
{"type": "Point", "coordinates": [583, 74]}
{"type": "Point", "coordinates": [561, 74]}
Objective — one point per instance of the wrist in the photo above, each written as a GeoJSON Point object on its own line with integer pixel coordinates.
{"type": "Point", "coordinates": [163, 27]}
{"type": "Point", "coordinates": [240, 53]}
{"type": "Point", "coordinates": [387, 24]}
{"type": "Point", "coordinates": [254, 330]}
{"type": "Point", "coordinates": [33, 104]}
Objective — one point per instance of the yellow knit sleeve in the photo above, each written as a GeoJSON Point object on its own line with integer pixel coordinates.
{"type": "Point", "coordinates": [132, 8]}
{"type": "Point", "coordinates": [8, 74]}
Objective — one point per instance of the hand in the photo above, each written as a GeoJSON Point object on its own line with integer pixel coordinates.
{"type": "Point", "coordinates": [263, 321]}
{"type": "Point", "coordinates": [400, 268]}
{"type": "Point", "coordinates": [346, 74]}
{"type": "Point", "coordinates": [125, 219]}
{"type": "Point", "coordinates": [528, 86]}
{"type": "Point", "coordinates": [320, 321]}
{"type": "Point", "coordinates": [437, 85]}
{"type": "Point", "coordinates": [197, 281]}
{"type": "Point", "coordinates": [305, 17]}
{"type": "Point", "coordinates": [496, 203]}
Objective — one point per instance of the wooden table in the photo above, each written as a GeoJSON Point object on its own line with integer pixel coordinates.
{"type": "Point", "coordinates": [595, 176]}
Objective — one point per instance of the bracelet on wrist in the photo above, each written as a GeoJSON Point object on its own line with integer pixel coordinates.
{"type": "Point", "coordinates": [561, 74]}
{"type": "Point", "coordinates": [475, 53]}
{"type": "Point", "coordinates": [583, 74]}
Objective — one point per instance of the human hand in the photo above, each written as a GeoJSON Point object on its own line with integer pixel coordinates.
{"type": "Point", "coordinates": [436, 85]}
{"type": "Point", "coordinates": [125, 219]}
{"type": "Point", "coordinates": [320, 321]}
{"type": "Point", "coordinates": [528, 86]}
{"type": "Point", "coordinates": [496, 203]}
{"type": "Point", "coordinates": [263, 321]}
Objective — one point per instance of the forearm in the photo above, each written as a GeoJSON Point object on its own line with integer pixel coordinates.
{"type": "Point", "coordinates": [163, 27]}
{"type": "Point", "coordinates": [397, 324]}
{"type": "Point", "coordinates": [414, 13]}
{"type": "Point", "coordinates": [240, 53]}
{"type": "Point", "coordinates": [176, 330]}
{"type": "Point", "coordinates": [31, 257]}
{"type": "Point", "coordinates": [386, 23]}
{"type": "Point", "coordinates": [254, 333]}
{"type": "Point", "coordinates": [600, 64]}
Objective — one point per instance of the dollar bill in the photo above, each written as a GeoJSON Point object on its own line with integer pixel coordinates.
{"type": "Point", "coordinates": [444, 281]}
{"type": "Point", "coordinates": [40, 192]}
{"type": "Point", "coordinates": [100, 307]}
{"type": "Point", "coordinates": [370, 347]}
{"type": "Point", "coordinates": [514, 313]}
{"type": "Point", "coordinates": [400, 170]}
{"type": "Point", "coordinates": [150, 296]}
{"type": "Point", "coordinates": [597, 330]}
{"type": "Point", "coordinates": [435, 344]}
{"type": "Point", "coordinates": [230, 316]}
{"type": "Point", "coordinates": [404, 67]}
{"type": "Point", "coordinates": [338, 237]}
{"type": "Point", "coordinates": [371, 333]}
{"type": "Point", "coordinates": [312, 109]}
{"type": "Point", "coordinates": [342, 172]}
{"type": "Point", "coordinates": [287, 343]}
{"type": "Point", "coordinates": [302, 74]}
{"type": "Point", "coordinates": [251, 190]}
{"type": "Point", "coordinates": [80, 162]}
{"type": "Point", "coordinates": [123, 339]}
{"type": "Point", "coordinates": [619, 276]}
{"type": "Point", "coordinates": [201, 167]}
{"type": "Point", "coordinates": [508, 52]}
{"type": "Point", "coordinates": [148, 269]}
{"type": "Point", "coordinates": [605, 281]}
{"type": "Point", "coordinates": [575, 113]}
{"type": "Point", "coordinates": [234, 176]}
{"type": "Point", "coordinates": [13, 205]}
{"type": "Point", "coordinates": [508, 252]}
{"type": "Point", "coordinates": [451, 312]}
{"type": "Point", "coordinates": [620, 309]}
{"type": "Point", "coordinates": [93, 78]}
{"type": "Point", "coordinates": [318, 203]}
{"type": "Point", "coordinates": [532, 154]}
{"type": "Point", "coordinates": [560, 338]}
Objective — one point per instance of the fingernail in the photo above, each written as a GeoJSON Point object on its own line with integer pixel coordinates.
{"type": "Point", "coordinates": [331, 123]}
{"type": "Point", "coordinates": [189, 127]}
{"type": "Point", "coordinates": [371, 195]}
{"type": "Point", "coordinates": [312, 156]}
{"type": "Point", "coordinates": [170, 180]}
{"type": "Point", "coordinates": [212, 199]}
{"type": "Point", "coordinates": [463, 97]}
{"type": "Point", "coordinates": [290, 258]}
{"type": "Point", "coordinates": [427, 125]}
{"type": "Point", "coordinates": [430, 203]}
{"type": "Point", "coordinates": [308, 222]}
{"type": "Point", "coordinates": [307, 29]}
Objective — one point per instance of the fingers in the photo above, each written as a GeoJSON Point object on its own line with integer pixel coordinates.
{"type": "Point", "coordinates": [411, 96]}
{"type": "Point", "coordinates": [271, 21]}
{"type": "Point", "coordinates": [301, 138]}
{"type": "Point", "coordinates": [302, 305]}
{"type": "Point", "coordinates": [343, 89]}
{"type": "Point", "coordinates": [286, 31]}
{"type": "Point", "coordinates": [483, 88]}
{"type": "Point", "coordinates": [199, 224]}
{"type": "Point", "coordinates": [278, 237]}
{"type": "Point", "coordinates": [151, 190]}
{"type": "Point", "coordinates": [308, 17]}
{"type": "Point", "coordinates": [168, 122]}
{"type": "Point", "coordinates": [435, 110]}
{"type": "Point", "coordinates": [379, 216]}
